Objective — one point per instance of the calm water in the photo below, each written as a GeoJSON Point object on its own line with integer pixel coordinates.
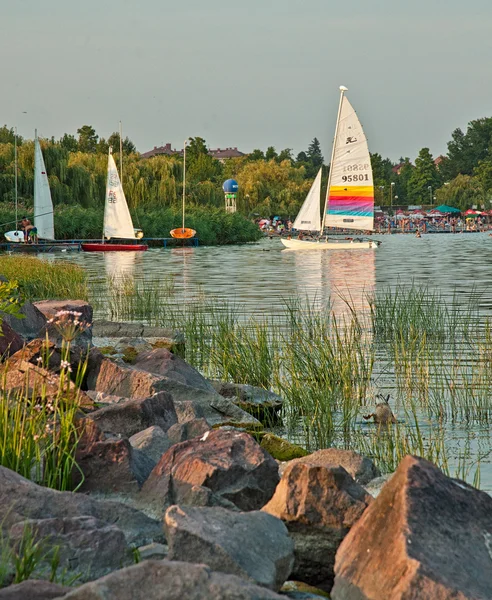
{"type": "Point", "coordinates": [260, 276]}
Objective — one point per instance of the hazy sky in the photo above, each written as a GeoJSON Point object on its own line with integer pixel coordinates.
{"type": "Point", "coordinates": [247, 73]}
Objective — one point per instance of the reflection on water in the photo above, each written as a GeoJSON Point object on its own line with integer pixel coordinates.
{"type": "Point", "coordinates": [121, 265]}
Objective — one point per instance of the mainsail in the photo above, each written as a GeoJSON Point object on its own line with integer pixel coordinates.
{"type": "Point", "coordinates": [43, 206]}
{"type": "Point", "coordinates": [351, 190]}
{"type": "Point", "coordinates": [309, 218]}
{"type": "Point", "coordinates": [117, 219]}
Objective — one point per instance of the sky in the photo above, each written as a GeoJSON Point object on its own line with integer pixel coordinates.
{"type": "Point", "coordinates": [247, 73]}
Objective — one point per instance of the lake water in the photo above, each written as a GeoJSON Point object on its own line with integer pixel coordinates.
{"type": "Point", "coordinates": [260, 276]}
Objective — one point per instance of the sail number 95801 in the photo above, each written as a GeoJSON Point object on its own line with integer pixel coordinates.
{"type": "Point", "coordinates": [349, 178]}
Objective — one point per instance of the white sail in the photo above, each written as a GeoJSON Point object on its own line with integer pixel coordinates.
{"type": "Point", "coordinates": [309, 217]}
{"type": "Point", "coordinates": [117, 219]}
{"type": "Point", "coordinates": [351, 189]}
{"type": "Point", "coordinates": [43, 206]}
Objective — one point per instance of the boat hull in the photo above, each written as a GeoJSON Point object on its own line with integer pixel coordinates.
{"type": "Point", "coordinates": [183, 234]}
{"type": "Point", "coordinates": [354, 244]}
{"type": "Point", "coordinates": [98, 247]}
{"type": "Point", "coordinates": [42, 247]}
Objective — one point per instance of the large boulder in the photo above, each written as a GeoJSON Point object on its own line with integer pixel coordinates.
{"type": "Point", "coordinates": [319, 505]}
{"type": "Point", "coordinates": [81, 311]}
{"type": "Point", "coordinates": [253, 545]}
{"type": "Point", "coordinates": [128, 418]}
{"type": "Point", "coordinates": [31, 325]}
{"type": "Point", "coordinates": [10, 341]}
{"type": "Point", "coordinates": [222, 467]}
{"type": "Point", "coordinates": [425, 536]}
{"type": "Point", "coordinates": [187, 430]}
{"type": "Point", "coordinates": [87, 547]}
{"type": "Point", "coordinates": [33, 589]}
{"type": "Point", "coordinates": [361, 468]}
{"type": "Point", "coordinates": [108, 464]}
{"type": "Point", "coordinates": [21, 499]}
{"type": "Point", "coordinates": [156, 580]}
{"type": "Point", "coordinates": [107, 376]}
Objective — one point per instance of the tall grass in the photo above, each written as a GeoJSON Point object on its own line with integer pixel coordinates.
{"type": "Point", "coordinates": [40, 280]}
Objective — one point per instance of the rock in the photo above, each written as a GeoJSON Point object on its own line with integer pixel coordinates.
{"type": "Point", "coordinates": [161, 361]}
{"type": "Point", "coordinates": [156, 580]}
{"type": "Point", "coordinates": [87, 546]}
{"type": "Point", "coordinates": [319, 505]}
{"type": "Point", "coordinates": [297, 590]}
{"type": "Point", "coordinates": [33, 589]}
{"type": "Point", "coordinates": [281, 449]}
{"type": "Point", "coordinates": [425, 536]}
{"type": "Point", "coordinates": [152, 442]}
{"type": "Point", "coordinates": [158, 337]}
{"type": "Point", "coordinates": [253, 545]}
{"type": "Point", "coordinates": [222, 467]}
{"type": "Point", "coordinates": [132, 416]}
{"type": "Point", "coordinates": [10, 341]}
{"type": "Point", "coordinates": [31, 325]}
{"type": "Point", "coordinates": [21, 499]}
{"type": "Point", "coordinates": [153, 551]}
{"type": "Point", "coordinates": [50, 309]}
{"type": "Point", "coordinates": [361, 468]}
{"type": "Point", "coordinates": [109, 465]}
{"type": "Point", "coordinates": [110, 377]}
{"type": "Point", "coordinates": [375, 486]}
{"type": "Point", "coordinates": [261, 403]}
{"type": "Point", "coordinates": [187, 430]}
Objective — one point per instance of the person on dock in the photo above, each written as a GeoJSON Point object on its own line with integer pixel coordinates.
{"type": "Point", "coordinates": [27, 226]}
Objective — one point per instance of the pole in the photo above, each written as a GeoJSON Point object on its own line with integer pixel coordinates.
{"type": "Point", "coordinates": [184, 180]}
{"type": "Point", "coordinates": [342, 92]}
{"type": "Point", "coordinates": [121, 155]}
{"type": "Point", "coordinates": [15, 166]}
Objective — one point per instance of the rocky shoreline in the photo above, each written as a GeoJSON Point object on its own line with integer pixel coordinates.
{"type": "Point", "coordinates": [181, 494]}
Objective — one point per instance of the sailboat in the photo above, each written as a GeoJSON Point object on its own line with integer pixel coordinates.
{"type": "Point", "coordinates": [43, 210]}
{"type": "Point", "coordinates": [350, 195]}
{"type": "Point", "coordinates": [183, 232]}
{"type": "Point", "coordinates": [118, 222]}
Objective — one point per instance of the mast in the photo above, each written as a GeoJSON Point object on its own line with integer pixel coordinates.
{"type": "Point", "coordinates": [184, 179]}
{"type": "Point", "coordinates": [15, 167]}
{"type": "Point", "coordinates": [121, 155]}
{"type": "Point", "coordinates": [343, 89]}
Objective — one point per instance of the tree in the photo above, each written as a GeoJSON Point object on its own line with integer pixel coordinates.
{"type": "Point", "coordinates": [69, 142]}
{"type": "Point", "coordinates": [461, 192]}
{"type": "Point", "coordinates": [285, 155]}
{"type": "Point", "coordinates": [466, 150]}
{"type": "Point", "coordinates": [87, 139]}
{"type": "Point", "coordinates": [114, 142]}
{"type": "Point", "coordinates": [196, 147]}
{"type": "Point", "coordinates": [424, 179]}
{"type": "Point", "coordinates": [483, 176]}
{"type": "Point", "coordinates": [7, 136]}
{"type": "Point", "coordinates": [302, 158]}
{"type": "Point", "coordinates": [271, 153]}
{"type": "Point", "coordinates": [256, 155]}
{"type": "Point", "coordinates": [315, 157]}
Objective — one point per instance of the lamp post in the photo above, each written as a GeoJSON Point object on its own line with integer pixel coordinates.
{"type": "Point", "coordinates": [391, 200]}
{"type": "Point", "coordinates": [15, 177]}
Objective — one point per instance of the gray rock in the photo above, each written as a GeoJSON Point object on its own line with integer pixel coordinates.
{"type": "Point", "coordinates": [361, 468]}
{"type": "Point", "coordinates": [10, 341]}
{"type": "Point", "coordinates": [222, 467]}
{"type": "Point", "coordinates": [153, 551]}
{"type": "Point", "coordinates": [87, 546]}
{"type": "Point", "coordinates": [169, 580]}
{"type": "Point", "coordinates": [152, 442]}
{"type": "Point", "coordinates": [254, 545]}
{"type": "Point", "coordinates": [187, 430]}
{"type": "Point", "coordinates": [31, 325]}
{"type": "Point", "coordinates": [319, 505]}
{"type": "Point", "coordinates": [21, 499]}
{"type": "Point", "coordinates": [262, 404]}
{"type": "Point", "coordinates": [33, 589]}
{"type": "Point", "coordinates": [132, 416]}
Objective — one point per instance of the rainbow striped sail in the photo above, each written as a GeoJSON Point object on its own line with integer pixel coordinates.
{"type": "Point", "coordinates": [350, 196]}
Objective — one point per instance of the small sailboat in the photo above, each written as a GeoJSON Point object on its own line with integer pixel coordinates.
{"type": "Point", "coordinates": [183, 233]}
{"type": "Point", "coordinates": [350, 195]}
{"type": "Point", "coordinates": [118, 222]}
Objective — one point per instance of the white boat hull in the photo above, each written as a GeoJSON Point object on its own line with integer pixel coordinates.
{"type": "Point", "coordinates": [354, 244]}
{"type": "Point", "coordinates": [14, 236]}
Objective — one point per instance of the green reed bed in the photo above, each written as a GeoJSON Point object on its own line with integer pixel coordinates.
{"type": "Point", "coordinates": [42, 280]}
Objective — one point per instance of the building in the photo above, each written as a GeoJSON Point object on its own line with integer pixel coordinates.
{"type": "Point", "coordinates": [221, 154]}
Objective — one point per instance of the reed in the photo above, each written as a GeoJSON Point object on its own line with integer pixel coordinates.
{"type": "Point", "coordinates": [40, 280]}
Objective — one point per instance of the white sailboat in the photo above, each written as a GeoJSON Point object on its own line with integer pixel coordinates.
{"type": "Point", "coordinates": [118, 222]}
{"type": "Point", "coordinates": [43, 205]}
{"type": "Point", "coordinates": [350, 195]}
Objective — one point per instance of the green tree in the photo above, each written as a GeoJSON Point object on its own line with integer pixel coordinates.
{"type": "Point", "coordinates": [256, 155]}
{"type": "Point", "coordinates": [483, 175]}
{"type": "Point", "coordinates": [87, 139]}
{"type": "Point", "coordinates": [461, 192]}
{"type": "Point", "coordinates": [69, 142]}
{"type": "Point", "coordinates": [7, 136]}
{"type": "Point", "coordinates": [196, 147]}
{"type": "Point", "coordinates": [285, 154]}
{"type": "Point", "coordinates": [128, 145]}
{"type": "Point", "coordinates": [271, 153]}
{"type": "Point", "coordinates": [466, 150]}
{"type": "Point", "coordinates": [424, 180]}
{"type": "Point", "coordinates": [315, 158]}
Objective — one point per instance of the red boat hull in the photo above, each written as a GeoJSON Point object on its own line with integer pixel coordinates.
{"type": "Point", "coordinates": [90, 247]}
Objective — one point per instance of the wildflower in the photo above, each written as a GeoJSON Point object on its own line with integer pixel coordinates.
{"type": "Point", "coordinates": [64, 364]}
{"type": "Point", "coordinates": [39, 359]}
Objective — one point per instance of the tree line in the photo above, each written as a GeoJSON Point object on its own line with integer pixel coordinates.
{"type": "Point", "coordinates": [270, 181]}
